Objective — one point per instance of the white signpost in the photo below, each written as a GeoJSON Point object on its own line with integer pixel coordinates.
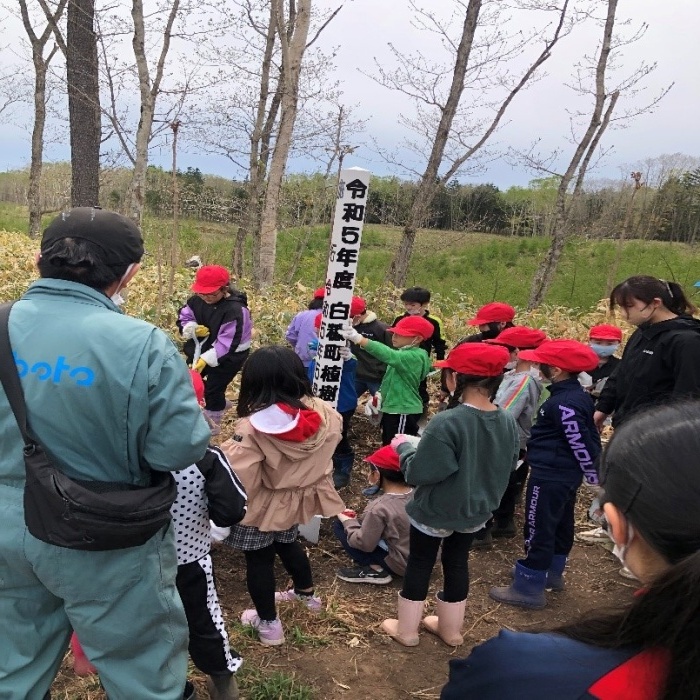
{"type": "Point", "coordinates": [346, 236]}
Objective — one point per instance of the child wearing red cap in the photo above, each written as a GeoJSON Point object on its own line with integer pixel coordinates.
{"type": "Point", "coordinates": [562, 450]}
{"type": "Point", "coordinates": [407, 366]}
{"type": "Point", "coordinates": [519, 394]}
{"type": "Point", "coordinates": [370, 370]}
{"type": "Point", "coordinates": [377, 540]}
{"type": "Point", "coordinates": [216, 326]}
{"type": "Point", "coordinates": [604, 341]}
{"type": "Point", "coordinates": [300, 332]}
{"type": "Point", "coordinates": [460, 470]}
{"type": "Point", "coordinates": [491, 319]}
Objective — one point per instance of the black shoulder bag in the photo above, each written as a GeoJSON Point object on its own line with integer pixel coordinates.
{"type": "Point", "coordinates": [74, 513]}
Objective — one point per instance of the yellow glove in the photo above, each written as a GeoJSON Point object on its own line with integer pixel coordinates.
{"type": "Point", "coordinates": [199, 365]}
{"type": "Point", "coordinates": [201, 331]}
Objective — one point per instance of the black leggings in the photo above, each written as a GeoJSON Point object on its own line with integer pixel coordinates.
{"type": "Point", "coordinates": [455, 565]}
{"type": "Point", "coordinates": [260, 574]}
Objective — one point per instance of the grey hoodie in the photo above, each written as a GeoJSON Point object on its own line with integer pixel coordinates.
{"type": "Point", "coordinates": [519, 394]}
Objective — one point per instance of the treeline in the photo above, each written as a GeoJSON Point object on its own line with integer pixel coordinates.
{"type": "Point", "coordinates": [666, 211]}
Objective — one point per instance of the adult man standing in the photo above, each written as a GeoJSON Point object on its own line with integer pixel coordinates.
{"type": "Point", "coordinates": [109, 399]}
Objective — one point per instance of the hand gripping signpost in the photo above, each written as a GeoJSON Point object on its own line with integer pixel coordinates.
{"type": "Point", "coordinates": [346, 236]}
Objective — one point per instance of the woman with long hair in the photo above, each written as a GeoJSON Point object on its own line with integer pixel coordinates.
{"type": "Point", "coordinates": [648, 650]}
{"type": "Point", "coordinates": [661, 360]}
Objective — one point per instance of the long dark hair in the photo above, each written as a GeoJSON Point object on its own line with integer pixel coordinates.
{"type": "Point", "coordinates": [651, 472]}
{"type": "Point", "coordinates": [79, 260]}
{"type": "Point", "coordinates": [273, 374]}
{"type": "Point", "coordinates": [646, 289]}
{"type": "Point", "coordinates": [463, 381]}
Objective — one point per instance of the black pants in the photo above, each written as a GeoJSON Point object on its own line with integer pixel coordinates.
{"type": "Point", "coordinates": [549, 521]}
{"type": "Point", "coordinates": [514, 490]}
{"type": "Point", "coordinates": [395, 423]}
{"type": "Point", "coordinates": [423, 391]}
{"type": "Point", "coordinates": [344, 447]}
{"type": "Point", "coordinates": [422, 556]}
{"type": "Point", "coordinates": [260, 574]}
{"type": "Point", "coordinates": [209, 647]}
{"type": "Point", "coordinates": [217, 379]}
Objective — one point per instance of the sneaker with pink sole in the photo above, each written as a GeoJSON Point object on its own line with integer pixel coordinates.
{"type": "Point", "coordinates": [271, 633]}
{"type": "Point", "coordinates": [312, 602]}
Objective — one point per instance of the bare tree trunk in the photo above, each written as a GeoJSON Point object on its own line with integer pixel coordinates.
{"type": "Point", "coordinates": [544, 276]}
{"type": "Point", "coordinates": [612, 272]}
{"type": "Point", "coordinates": [174, 236]}
{"type": "Point", "coordinates": [293, 45]}
{"type": "Point", "coordinates": [83, 103]}
{"type": "Point", "coordinates": [41, 66]}
{"type": "Point", "coordinates": [149, 90]}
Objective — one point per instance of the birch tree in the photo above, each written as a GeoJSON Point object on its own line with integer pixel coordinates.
{"type": "Point", "coordinates": [605, 101]}
{"type": "Point", "coordinates": [445, 133]}
{"type": "Point", "coordinates": [40, 61]}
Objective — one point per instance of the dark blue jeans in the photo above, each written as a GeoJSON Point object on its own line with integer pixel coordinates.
{"type": "Point", "coordinates": [357, 555]}
{"type": "Point", "coordinates": [549, 521]}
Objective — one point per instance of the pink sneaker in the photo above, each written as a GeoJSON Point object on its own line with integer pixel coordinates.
{"type": "Point", "coordinates": [271, 633]}
{"type": "Point", "coordinates": [312, 602]}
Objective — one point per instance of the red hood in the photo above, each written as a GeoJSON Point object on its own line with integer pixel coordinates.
{"type": "Point", "coordinates": [286, 422]}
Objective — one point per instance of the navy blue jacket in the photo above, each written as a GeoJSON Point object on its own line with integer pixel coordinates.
{"type": "Point", "coordinates": [347, 396]}
{"type": "Point", "coordinates": [521, 666]}
{"type": "Point", "coordinates": [564, 443]}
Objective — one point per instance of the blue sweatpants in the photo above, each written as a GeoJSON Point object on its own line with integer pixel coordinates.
{"type": "Point", "coordinates": [357, 555]}
{"type": "Point", "coordinates": [549, 521]}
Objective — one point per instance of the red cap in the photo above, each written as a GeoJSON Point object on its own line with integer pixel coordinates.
{"type": "Point", "coordinates": [317, 320]}
{"type": "Point", "coordinates": [413, 325]}
{"type": "Point", "coordinates": [320, 293]}
{"type": "Point", "coordinates": [476, 358]}
{"type": "Point", "coordinates": [197, 385]}
{"type": "Point", "coordinates": [570, 355]}
{"type": "Point", "coordinates": [495, 312]}
{"type": "Point", "coordinates": [385, 457]}
{"type": "Point", "coordinates": [605, 332]}
{"type": "Point", "coordinates": [210, 279]}
{"type": "Point", "coordinates": [519, 337]}
{"type": "Point", "coordinates": [357, 306]}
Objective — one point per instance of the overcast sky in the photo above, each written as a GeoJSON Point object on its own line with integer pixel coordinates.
{"type": "Point", "coordinates": [363, 29]}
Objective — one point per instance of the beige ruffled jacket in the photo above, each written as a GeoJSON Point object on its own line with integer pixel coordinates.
{"type": "Point", "coordinates": [287, 482]}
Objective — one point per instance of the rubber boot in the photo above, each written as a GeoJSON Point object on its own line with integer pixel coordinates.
{"type": "Point", "coordinates": [342, 468]}
{"type": "Point", "coordinates": [222, 687]}
{"type": "Point", "coordinates": [405, 629]}
{"type": "Point", "coordinates": [526, 591]}
{"type": "Point", "coordinates": [214, 420]}
{"type": "Point", "coordinates": [447, 624]}
{"type": "Point", "coordinates": [555, 574]}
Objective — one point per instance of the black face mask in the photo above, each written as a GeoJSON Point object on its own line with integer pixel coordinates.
{"type": "Point", "coordinates": [546, 371]}
{"type": "Point", "coordinates": [492, 332]}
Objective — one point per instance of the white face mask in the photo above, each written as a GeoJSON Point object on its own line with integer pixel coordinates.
{"type": "Point", "coordinates": [620, 551]}
{"type": "Point", "coordinates": [535, 372]}
{"type": "Point", "coordinates": [511, 364]}
{"type": "Point", "coordinates": [120, 298]}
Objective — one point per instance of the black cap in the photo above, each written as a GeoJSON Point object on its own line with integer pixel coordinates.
{"type": "Point", "coordinates": [118, 236]}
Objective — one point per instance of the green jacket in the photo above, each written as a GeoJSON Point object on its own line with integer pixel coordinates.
{"type": "Point", "coordinates": [106, 393]}
{"type": "Point", "coordinates": [406, 369]}
{"type": "Point", "coordinates": [461, 467]}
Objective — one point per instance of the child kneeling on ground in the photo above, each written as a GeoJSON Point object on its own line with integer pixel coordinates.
{"type": "Point", "coordinates": [377, 541]}
{"type": "Point", "coordinates": [563, 447]}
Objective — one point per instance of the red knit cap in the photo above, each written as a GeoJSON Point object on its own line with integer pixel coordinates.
{"type": "Point", "coordinates": [605, 332]}
{"type": "Point", "coordinates": [210, 279]}
{"type": "Point", "coordinates": [569, 355]}
{"type": "Point", "coordinates": [519, 337]}
{"type": "Point", "coordinates": [495, 312]}
{"type": "Point", "coordinates": [413, 325]}
{"type": "Point", "coordinates": [478, 359]}
{"type": "Point", "coordinates": [386, 458]}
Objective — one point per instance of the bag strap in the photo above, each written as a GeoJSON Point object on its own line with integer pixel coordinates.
{"type": "Point", "coordinates": [8, 375]}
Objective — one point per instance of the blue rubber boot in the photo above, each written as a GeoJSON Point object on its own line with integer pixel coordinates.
{"type": "Point", "coordinates": [555, 575]}
{"type": "Point", "coordinates": [526, 591]}
{"type": "Point", "coordinates": [342, 467]}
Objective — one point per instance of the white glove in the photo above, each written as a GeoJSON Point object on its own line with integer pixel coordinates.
{"type": "Point", "coordinates": [351, 334]}
{"type": "Point", "coordinates": [218, 534]}
{"type": "Point", "coordinates": [210, 357]}
{"type": "Point", "coordinates": [188, 330]}
{"type": "Point", "coordinates": [345, 353]}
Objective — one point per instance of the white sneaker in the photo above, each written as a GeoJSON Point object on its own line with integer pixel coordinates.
{"type": "Point", "coordinates": [594, 536]}
{"type": "Point", "coordinates": [626, 573]}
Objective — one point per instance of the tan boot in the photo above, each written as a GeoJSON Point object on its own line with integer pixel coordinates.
{"type": "Point", "coordinates": [405, 629]}
{"type": "Point", "coordinates": [447, 624]}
